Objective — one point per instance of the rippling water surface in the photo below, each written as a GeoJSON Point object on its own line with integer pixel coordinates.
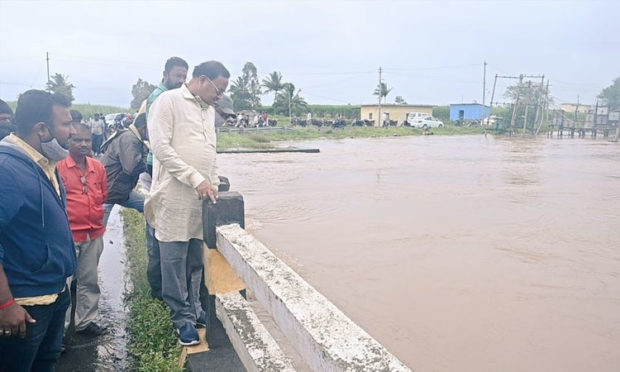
{"type": "Point", "coordinates": [465, 253]}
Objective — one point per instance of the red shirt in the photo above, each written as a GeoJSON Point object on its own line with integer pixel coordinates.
{"type": "Point", "coordinates": [84, 200]}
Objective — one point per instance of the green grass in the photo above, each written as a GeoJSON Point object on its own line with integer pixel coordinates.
{"type": "Point", "coordinates": [153, 343]}
{"type": "Point", "coordinates": [265, 139]}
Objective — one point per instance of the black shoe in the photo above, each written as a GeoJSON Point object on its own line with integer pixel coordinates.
{"type": "Point", "coordinates": [91, 330]}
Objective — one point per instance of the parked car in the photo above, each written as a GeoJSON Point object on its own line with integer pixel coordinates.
{"type": "Point", "coordinates": [109, 118]}
{"type": "Point", "coordinates": [427, 122]}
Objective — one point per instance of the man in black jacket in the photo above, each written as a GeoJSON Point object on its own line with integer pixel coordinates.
{"type": "Point", "coordinates": [124, 159]}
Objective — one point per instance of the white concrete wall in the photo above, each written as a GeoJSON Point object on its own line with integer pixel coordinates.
{"type": "Point", "coordinates": [325, 338]}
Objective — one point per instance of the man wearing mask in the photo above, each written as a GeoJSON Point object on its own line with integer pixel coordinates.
{"type": "Point", "coordinates": [182, 133]}
{"type": "Point", "coordinates": [6, 117]}
{"type": "Point", "coordinates": [36, 245]}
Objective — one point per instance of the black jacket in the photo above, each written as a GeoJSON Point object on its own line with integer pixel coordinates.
{"type": "Point", "coordinates": [124, 159]}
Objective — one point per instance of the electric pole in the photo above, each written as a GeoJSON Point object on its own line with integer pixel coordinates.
{"type": "Point", "coordinates": [516, 105]}
{"type": "Point", "coordinates": [380, 92]}
{"type": "Point", "coordinates": [484, 88]}
{"type": "Point", "coordinates": [492, 96]}
{"type": "Point", "coordinates": [47, 58]}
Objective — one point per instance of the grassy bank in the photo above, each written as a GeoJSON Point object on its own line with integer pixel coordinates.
{"type": "Point", "coordinates": [153, 343]}
{"type": "Point", "coordinates": [266, 139]}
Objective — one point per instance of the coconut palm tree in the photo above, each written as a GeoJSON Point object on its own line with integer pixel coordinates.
{"type": "Point", "coordinates": [59, 83]}
{"type": "Point", "coordinates": [273, 83]}
{"type": "Point", "coordinates": [290, 98]}
{"type": "Point", "coordinates": [382, 91]}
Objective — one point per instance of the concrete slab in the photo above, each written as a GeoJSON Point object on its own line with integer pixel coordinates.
{"type": "Point", "coordinates": [255, 347]}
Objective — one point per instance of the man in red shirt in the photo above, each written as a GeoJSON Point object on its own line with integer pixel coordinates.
{"type": "Point", "coordinates": [87, 188]}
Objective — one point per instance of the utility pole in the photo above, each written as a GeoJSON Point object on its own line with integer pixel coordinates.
{"type": "Point", "coordinates": [539, 102]}
{"type": "Point", "coordinates": [484, 88]}
{"type": "Point", "coordinates": [527, 106]}
{"type": "Point", "coordinates": [47, 58]}
{"type": "Point", "coordinates": [547, 101]}
{"type": "Point", "coordinates": [516, 105]}
{"type": "Point", "coordinates": [544, 109]}
{"type": "Point", "coordinates": [492, 96]}
{"type": "Point", "coordinates": [380, 91]}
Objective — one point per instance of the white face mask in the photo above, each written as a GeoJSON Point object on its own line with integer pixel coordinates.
{"type": "Point", "coordinates": [53, 151]}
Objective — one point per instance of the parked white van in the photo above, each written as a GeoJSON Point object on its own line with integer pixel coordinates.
{"type": "Point", "coordinates": [413, 116]}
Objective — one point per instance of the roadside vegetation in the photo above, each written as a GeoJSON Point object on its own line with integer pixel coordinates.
{"type": "Point", "coordinates": [265, 139]}
{"type": "Point", "coordinates": [153, 342]}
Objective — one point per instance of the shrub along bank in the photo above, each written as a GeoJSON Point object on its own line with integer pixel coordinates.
{"type": "Point", "coordinates": [153, 342]}
{"type": "Point", "coordinates": [264, 139]}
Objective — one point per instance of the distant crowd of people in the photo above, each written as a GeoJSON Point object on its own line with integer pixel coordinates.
{"type": "Point", "coordinates": [61, 177]}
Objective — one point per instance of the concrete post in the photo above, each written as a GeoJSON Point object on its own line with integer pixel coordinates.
{"type": "Point", "coordinates": [228, 209]}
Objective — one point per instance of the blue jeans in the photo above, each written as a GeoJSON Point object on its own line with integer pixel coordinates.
{"type": "Point", "coordinates": [40, 349]}
{"type": "Point", "coordinates": [135, 201]}
{"type": "Point", "coordinates": [153, 270]}
{"type": "Point", "coordinates": [181, 274]}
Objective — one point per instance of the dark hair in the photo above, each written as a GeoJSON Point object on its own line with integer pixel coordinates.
{"type": "Point", "coordinates": [140, 121]}
{"type": "Point", "coordinates": [175, 61]}
{"type": "Point", "coordinates": [35, 106]}
{"type": "Point", "coordinates": [5, 108]}
{"type": "Point", "coordinates": [76, 116]}
{"type": "Point", "coordinates": [6, 129]}
{"type": "Point", "coordinates": [81, 127]}
{"type": "Point", "coordinates": [211, 69]}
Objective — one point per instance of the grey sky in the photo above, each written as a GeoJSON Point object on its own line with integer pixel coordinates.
{"type": "Point", "coordinates": [431, 51]}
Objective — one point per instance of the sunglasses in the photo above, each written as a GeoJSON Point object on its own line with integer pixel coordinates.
{"type": "Point", "coordinates": [84, 185]}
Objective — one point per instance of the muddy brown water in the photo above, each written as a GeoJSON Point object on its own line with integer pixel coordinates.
{"type": "Point", "coordinates": [464, 253]}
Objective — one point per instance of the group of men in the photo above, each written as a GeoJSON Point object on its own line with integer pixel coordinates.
{"type": "Point", "coordinates": [55, 200]}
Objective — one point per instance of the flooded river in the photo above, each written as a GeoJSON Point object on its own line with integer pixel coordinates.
{"type": "Point", "coordinates": [465, 253]}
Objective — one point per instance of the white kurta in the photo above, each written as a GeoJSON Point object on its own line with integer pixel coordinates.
{"type": "Point", "coordinates": [182, 137]}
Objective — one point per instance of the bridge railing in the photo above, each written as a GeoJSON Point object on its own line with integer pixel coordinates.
{"type": "Point", "coordinates": [324, 337]}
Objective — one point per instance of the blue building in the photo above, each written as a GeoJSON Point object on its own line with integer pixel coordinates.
{"type": "Point", "coordinates": [469, 111]}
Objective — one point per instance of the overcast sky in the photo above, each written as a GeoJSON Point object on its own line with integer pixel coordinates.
{"type": "Point", "coordinates": [431, 52]}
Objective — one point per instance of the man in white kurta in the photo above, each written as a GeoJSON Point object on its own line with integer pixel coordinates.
{"type": "Point", "coordinates": [182, 134]}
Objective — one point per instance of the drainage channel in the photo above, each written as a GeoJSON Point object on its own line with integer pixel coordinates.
{"type": "Point", "coordinates": [109, 351]}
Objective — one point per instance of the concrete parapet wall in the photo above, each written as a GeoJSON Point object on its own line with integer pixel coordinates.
{"type": "Point", "coordinates": [257, 350]}
{"type": "Point", "coordinates": [324, 337]}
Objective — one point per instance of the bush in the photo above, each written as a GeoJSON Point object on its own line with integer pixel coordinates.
{"type": "Point", "coordinates": [153, 343]}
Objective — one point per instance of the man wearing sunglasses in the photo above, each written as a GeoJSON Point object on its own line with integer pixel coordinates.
{"type": "Point", "coordinates": [87, 187]}
{"type": "Point", "coordinates": [181, 126]}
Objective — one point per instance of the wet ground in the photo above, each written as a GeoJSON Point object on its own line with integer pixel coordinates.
{"type": "Point", "coordinates": [107, 352]}
{"type": "Point", "coordinates": [463, 253]}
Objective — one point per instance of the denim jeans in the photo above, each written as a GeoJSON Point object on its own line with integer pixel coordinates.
{"type": "Point", "coordinates": [181, 274]}
{"type": "Point", "coordinates": [135, 201]}
{"type": "Point", "coordinates": [153, 270]}
{"type": "Point", "coordinates": [40, 349]}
